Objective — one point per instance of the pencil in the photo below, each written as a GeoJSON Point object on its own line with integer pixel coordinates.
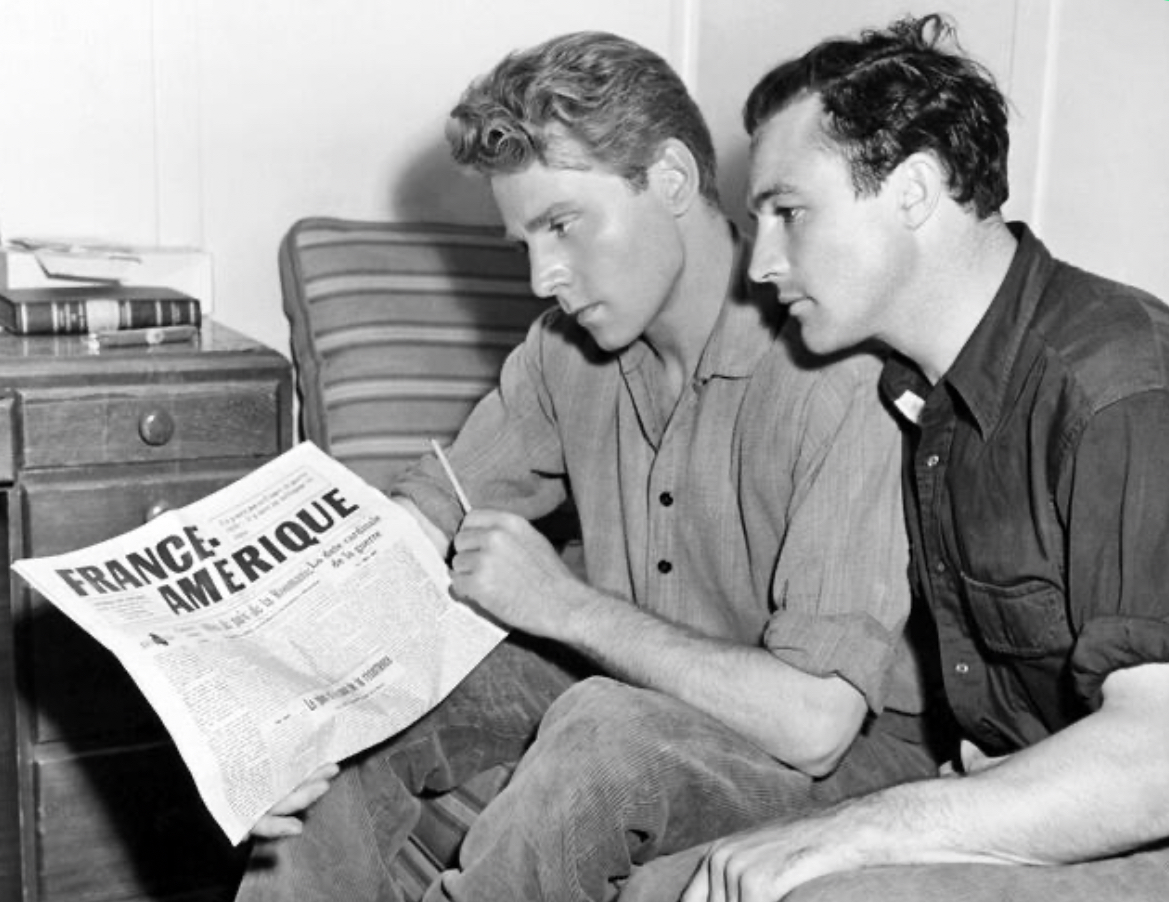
{"type": "Point", "coordinates": [446, 466]}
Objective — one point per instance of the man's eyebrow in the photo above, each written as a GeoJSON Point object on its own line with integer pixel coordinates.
{"type": "Point", "coordinates": [765, 196]}
{"type": "Point", "coordinates": [546, 216]}
{"type": "Point", "coordinates": [539, 221]}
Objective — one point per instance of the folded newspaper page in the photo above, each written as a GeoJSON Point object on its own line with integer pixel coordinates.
{"type": "Point", "coordinates": [289, 620]}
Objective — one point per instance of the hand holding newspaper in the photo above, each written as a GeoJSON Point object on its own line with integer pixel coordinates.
{"type": "Point", "coordinates": [289, 620]}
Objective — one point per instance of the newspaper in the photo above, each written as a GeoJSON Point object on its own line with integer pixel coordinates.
{"type": "Point", "coordinates": [289, 620]}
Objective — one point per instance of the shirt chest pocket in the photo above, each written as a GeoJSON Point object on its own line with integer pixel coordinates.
{"type": "Point", "coordinates": [1026, 620]}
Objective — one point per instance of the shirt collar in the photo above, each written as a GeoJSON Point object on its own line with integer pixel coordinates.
{"type": "Point", "coordinates": [736, 344]}
{"type": "Point", "coordinates": [981, 373]}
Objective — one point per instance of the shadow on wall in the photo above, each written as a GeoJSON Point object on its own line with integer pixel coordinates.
{"type": "Point", "coordinates": [433, 189]}
{"type": "Point", "coordinates": [732, 185]}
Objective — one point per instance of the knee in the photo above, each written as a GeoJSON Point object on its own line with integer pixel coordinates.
{"type": "Point", "coordinates": [603, 713]}
{"type": "Point", "coordinates": [597, 699]}
{"type": "Point", "coordinates": [581, 724]}
{"type": "Point", "coordinates": [604, 728]}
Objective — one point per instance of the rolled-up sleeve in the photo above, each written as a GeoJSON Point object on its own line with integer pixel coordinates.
{"type": "Point", "coordinates": [841, 592]}
{"type": "Point", "coordinates": [1119, 541]}
{"type": "Point", "coordinates": [1108, 644]}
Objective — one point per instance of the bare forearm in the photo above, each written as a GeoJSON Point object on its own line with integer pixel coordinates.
{"type": "Point", "coordinates": [801, 719]}
{"type": "Point", "coordinates": [504, 565]}
{"type": "Point", "coordinates": [1091, 790]}
{"type": "Point", "coordinates": [1097, 788]}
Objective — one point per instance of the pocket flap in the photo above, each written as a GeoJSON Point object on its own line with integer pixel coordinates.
{"type": "Point", "coordinates": [1026, 620]}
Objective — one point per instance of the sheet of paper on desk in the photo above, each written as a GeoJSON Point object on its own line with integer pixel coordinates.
{"type": "Point", "coordinates": [35, 262]}
{"type": "Point", "coordinates": [65, 259]}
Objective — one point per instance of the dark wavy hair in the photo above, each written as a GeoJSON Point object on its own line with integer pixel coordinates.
{"type": "Point", "coordinates": [614, 98]}
{"type": "Point", "coordinates": [894, 92]}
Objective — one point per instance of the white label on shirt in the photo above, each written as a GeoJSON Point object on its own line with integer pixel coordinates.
{"type": "Point", "coordinates": [910, 404]}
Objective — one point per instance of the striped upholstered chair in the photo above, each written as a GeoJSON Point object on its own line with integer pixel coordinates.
{"type": "Point", "coordinates": [397, 330]}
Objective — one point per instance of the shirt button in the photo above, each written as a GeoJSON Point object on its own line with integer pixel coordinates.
{"type": "Point", "coordinates": [932, 461]}
{"type": "Point", "coordinates": [666, 499]}
{"type": "Point", "coordinates": [961, 668]}
{"type": "Point", "coordinates": [940, 567]}
{"type": "Point", "coordinates": [665, 567]}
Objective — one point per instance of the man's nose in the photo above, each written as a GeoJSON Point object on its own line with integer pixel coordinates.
{"type": "Point", "coordinates": [769, 261]}
{"type": "Point", "coordinates": [548, 275]}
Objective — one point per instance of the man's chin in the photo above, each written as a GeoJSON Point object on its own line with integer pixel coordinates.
{"type": "Point", "coordinates": [817, 340]}
{"type": "Point", "coordinates": [609, 345]}
{"type": "Point", "coordinates": [608, 340]}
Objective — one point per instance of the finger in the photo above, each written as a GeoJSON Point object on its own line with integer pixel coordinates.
{"type": "Point", "coordinates": [477, 539]}
{"type": "Point", "coordinates": [277, 827]}
{"type": "Point", "coordinates": [326, 772]}
{"type": "Point", "coordinates": [465, 561]}
{"type": "Point", "coordinates": [461, 589]}
{"type": "Point", "coordinates": [307, 792]}
{"type": "Point", "coordinates": [699, 887]}
{"type": "Point", "coordinates": [467, 539]}
{"type": "Point", "coordinates": [718, 882]}
{"type": "Point", "coordinates": [725, 880]}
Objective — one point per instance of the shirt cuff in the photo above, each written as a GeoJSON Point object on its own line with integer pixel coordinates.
{"type": "Point", "coordinates": [855, 647]}
{"type": "Point", "coordinates": [1114, 642]}
{"type": "Point", "coordinates": [423, 484]}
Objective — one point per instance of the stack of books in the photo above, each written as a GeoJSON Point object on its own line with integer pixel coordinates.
{"type": "Point", "coordinates": [95, 309]}
{"type": "Point", "coordinates": [86, 292]}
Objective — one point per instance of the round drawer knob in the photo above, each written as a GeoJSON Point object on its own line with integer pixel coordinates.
{"type": "Point", "coordinates": [157, 509]}
{"type": "Point", "coordinates": [156, 427]}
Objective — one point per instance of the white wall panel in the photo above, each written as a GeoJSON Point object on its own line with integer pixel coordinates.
{"type": "Point", "coordinates": [77, 118]}
{"type": "Point", "coordinates": [1104, 203]}
{"type": "Point", "coordinates": [219, 122]}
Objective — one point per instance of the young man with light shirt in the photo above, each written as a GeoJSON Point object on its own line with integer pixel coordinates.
{"type": "Point", "coordinates": [739, 507]}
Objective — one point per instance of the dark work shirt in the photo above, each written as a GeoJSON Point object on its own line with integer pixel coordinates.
{"type": "Point", "coordinates": [1036, 486]}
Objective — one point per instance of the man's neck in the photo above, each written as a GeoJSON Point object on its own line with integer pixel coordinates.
{"type": "Point", "coordinates": [679, 335]}
{"type": "Point", "coordinates": [954, 293]}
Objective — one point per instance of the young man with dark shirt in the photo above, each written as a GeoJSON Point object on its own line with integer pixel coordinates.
{"type": "Point", "coordinates": [1035, 404]}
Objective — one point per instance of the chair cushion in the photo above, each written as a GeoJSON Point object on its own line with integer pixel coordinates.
{"type": "Point", "coordinates": [397, 330]}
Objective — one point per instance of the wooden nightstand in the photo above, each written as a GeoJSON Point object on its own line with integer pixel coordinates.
{"type": "Point", "coordinates": [95, 804]}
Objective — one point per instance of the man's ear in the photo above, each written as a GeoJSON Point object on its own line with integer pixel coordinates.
{"type": "Point", "coordinates": [922, 184]}
{"type": "Point", "coordinates": [674, 175]}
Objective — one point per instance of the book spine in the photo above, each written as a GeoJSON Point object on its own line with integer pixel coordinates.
{"type": "Point", "coordinates": [101, 315]}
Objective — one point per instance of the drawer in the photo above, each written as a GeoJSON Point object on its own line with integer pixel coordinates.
{"type": "Point", "coordinates": [123, 824]}
{"type": "Point", "coordinates": [148, 423]}
{"type": "Point", "coordinates": [80, 690]}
